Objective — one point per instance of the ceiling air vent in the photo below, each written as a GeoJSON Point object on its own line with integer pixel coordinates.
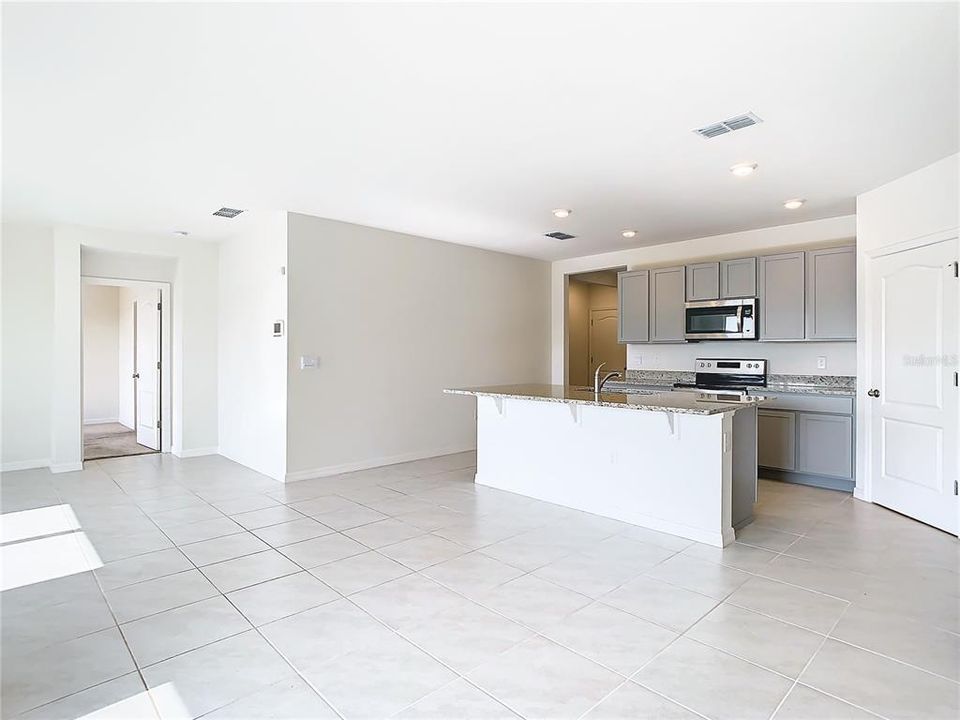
{"type": "Point", "coordinates": [727, 126]}
{"type": "Point", "coordinates": [560, 236]}
{"type": "Point", "coordinates": [228, 212]}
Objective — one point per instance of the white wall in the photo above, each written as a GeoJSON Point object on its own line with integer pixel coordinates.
{"type": "Point", "coordinates": [126, 387]}
{"type": "Point", "coordinates": [42, 285]}
{"type": "Point", "coordinates": [101, 355]}
{"type": "Point", "coordinates": [252, 406]}
{"type": "Point", "coordinates": [925, 203]}
{"type": "Point", "coordinates": [786, 358]}
{"type": "Point", "coordinates": [26, 345]}
{"type": "Point", "coordinates": [921, 203]}
{"type": "Point", "coordinates": [394, 319]}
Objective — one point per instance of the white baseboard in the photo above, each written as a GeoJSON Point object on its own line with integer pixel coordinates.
{"type": "Point", "coordinates": [328, 470]}
{"type": "Point", "coordinates": [196, 452]}
{"type": "Point", "coordinates": [66, 467]}
{"type": "Point", "coordinates": [102, 421]}
{"type": "Point", "coordinates": [24, 465]}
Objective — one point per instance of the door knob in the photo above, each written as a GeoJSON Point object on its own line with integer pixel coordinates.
{"type": "Point", "coordinates": [873, 393]}
{"type": "Point", "coordinates": [135, 376]}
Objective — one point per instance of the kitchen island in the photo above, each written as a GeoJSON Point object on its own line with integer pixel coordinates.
{"type": "Point", "coordinates": [668, 461]}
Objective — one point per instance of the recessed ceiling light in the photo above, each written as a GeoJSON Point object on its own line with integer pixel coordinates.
{"type": "Point", "coordinates": [184, 233]}
{"type": "Point", "coordinates": [794, 204]}
{"type": "Point", "coordinates": [562, 212]}
{"type": "Point", "coordinates": [743, 169]}
{"type": "Point", "coordinates": [629, 233]}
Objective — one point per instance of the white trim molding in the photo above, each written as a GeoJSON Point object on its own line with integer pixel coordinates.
{"type": "Point", "coordinates": [328, 470]}
{"type": "Point", "coordinates": [66, 467]}
{"type": "Point", "coordinates": [24, 465]}
{"type": "Point", "coordinates": [196, 452]}
{"type": "Point", "coordinates": [102, 421]}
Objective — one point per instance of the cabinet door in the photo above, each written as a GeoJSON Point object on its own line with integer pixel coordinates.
{"type": "Point", "coordinates": [633, 300]}
{"type": "Point", "coordinates": [703, 281]}
{"type": "Point", "coordinates": [782, 297]}
{"type": "Point", "coordinates": [667, 300]}
{"type": "Point", "coordinates": [832, 294]}
{"type": "Point", "coordinates": [825, 444]}
{"type": "Point", "coordinates": [738, 278]}
{"type": "Point", "coordinates": [776, 439]}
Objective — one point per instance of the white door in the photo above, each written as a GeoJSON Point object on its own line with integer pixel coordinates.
{"type": "Point", "coordinates": [147, 369]}
{"type": "Point", "coordinates": [912, 399]}
{"type": "Point", "coordinates": [604, 347]}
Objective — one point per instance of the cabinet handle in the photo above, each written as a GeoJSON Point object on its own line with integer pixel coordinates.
{"type": "Point", "coordinates": [873, 393]}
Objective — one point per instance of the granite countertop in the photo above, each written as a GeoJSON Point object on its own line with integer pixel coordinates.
{"type": "Point", "coordinates": [666, 401]}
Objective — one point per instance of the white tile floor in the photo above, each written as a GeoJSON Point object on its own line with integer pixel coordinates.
{"type": "Point", "coordinates": [408, 592]}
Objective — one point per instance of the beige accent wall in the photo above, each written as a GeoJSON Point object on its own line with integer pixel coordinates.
{"type": "Point", "coordinates": [578, 331]}
{"type": "Point", "coordinates": [394, 319]}
{"type": "Point", "coordinates": [582, 298]}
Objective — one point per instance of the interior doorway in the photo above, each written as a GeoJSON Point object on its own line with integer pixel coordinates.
{"type": "Point", "coordinates": [123, 369]}
{"type": "Point", "coordinates": [592, 322]}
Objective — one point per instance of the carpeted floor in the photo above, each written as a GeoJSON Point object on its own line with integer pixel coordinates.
{"type": "Point", "coordinates": [111, 440]}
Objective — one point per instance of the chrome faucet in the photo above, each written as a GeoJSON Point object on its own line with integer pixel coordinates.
{"type": "Point", "coordinates": [598, 383]}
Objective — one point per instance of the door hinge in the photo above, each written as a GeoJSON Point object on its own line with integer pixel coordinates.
{"type": "Point", "coordinates": [159, 306]}
{"type": "Point", "coordinates": [158, 366]}
{"type": "Point", "coordinates": [158, 424]}
{"type": "Point", "coordinates": [956, 268]}
{"type": "Point", "coordinates": [955, 487]}
{"type": "Point", "coordinates": [956, 379]}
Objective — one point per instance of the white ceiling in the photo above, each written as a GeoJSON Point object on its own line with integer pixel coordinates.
{"type": "Point", "coordinates": [469, 123]}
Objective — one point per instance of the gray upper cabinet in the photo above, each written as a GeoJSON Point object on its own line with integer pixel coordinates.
{"type": "Point", "coordinates": [703, 281]}
{"type": "Point", "coordinates": [633, 299]}
{"type": "Point", "coordinates": [782, 297]}
{"type": "Point", "coordinates": [738, 278]}
{"type": "Point", "coordinates": [667, 299]}
{"type": "Point", "coordinates": [832, 294]}
{"type": "Point", "coordinates": [825, 444]}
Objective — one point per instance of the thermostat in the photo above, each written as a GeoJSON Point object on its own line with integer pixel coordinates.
{"type": "Point", "coordinates": [278, 328]}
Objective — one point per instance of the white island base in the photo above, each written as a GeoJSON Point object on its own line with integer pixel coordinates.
{"type": "Point", "coordinates": [692, 475]}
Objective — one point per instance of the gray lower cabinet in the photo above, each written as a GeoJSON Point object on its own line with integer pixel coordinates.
{"type": "Point", "coordinates": [738, 278]}
{"type": "Point", "coordinates": [825, 444]}
{"type": "Point", "coordinates": [633, 299]}
{"type": "Point", "coordinates": [831, 293]}
{"type": "Point", "coordinates": [782, 296]}
{"type": "Point", "coordinates": [703, 281]}
{"type": "Point", "coordinates": [776, 439]}
{"type": "Point", "coordinates": [667, 304]}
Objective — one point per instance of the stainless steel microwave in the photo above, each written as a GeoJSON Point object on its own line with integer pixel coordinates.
{"type": "Point", "coordinates": [734, 319]}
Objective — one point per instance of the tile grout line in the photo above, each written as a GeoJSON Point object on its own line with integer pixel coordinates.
{"type": "Point", "coordinates": [807, 665]}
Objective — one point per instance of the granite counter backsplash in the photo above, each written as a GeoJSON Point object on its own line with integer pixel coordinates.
{"type": "Point", "coordinates": [814, 384]}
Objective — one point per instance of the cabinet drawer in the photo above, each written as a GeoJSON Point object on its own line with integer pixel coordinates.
{"type": "Point", "coordinates": [825, 445]}
{"type": "Point", "coordinates": [806, 403]}
{"type": "Point", "coordinates": [776, 439]}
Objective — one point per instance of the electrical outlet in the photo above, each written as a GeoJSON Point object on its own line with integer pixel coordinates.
{"type": "Point", "coordinates": [821, 362]}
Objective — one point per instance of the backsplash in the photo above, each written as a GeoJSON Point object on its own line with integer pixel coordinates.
{"type": "Point", "coordinates": [796, 358]}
